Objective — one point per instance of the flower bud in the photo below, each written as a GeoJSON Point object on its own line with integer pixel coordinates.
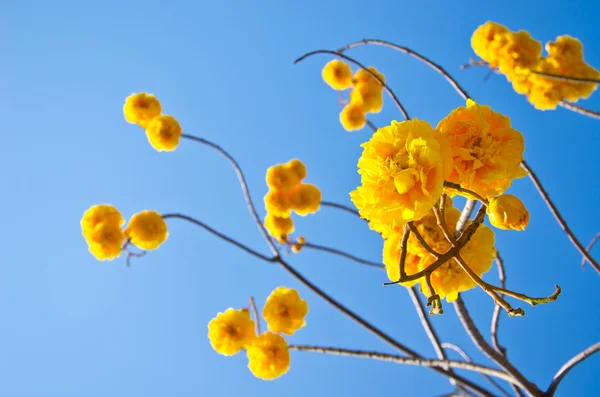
{"type": "Point", "coordinates": [507, 212]}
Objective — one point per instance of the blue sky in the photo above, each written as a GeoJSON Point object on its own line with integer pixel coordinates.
{"type": "Point", "coordinates": [72, 326]}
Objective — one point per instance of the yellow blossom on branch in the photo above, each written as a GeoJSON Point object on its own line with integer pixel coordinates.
{"type": "Point", "coordinates": [231, 331]}
{"type": "Point", "coordinates": [353, 117]}
{"type": "Point", "coordinates": [268, 356]}
{"type": "Point", "coordinates": [285, 177]}
{"type": "Point", "coordinates": [141, 108]}
{"type": "Point", "coordinates": [486, 41]}
{"type": "Point", "coordinates": [362, 77]}
{"type": "Point", "coordinates": [337, 74]}
{"type": "Point", "coordinates": [507, 212]}
{"type": "Point", "coordinates": [279, 227]}
{"type": "Point", "coordinates": [403, 167]}
{"type": "Point", "coordinates": [164, 133]}
{"type": "Point", "coordinates": [306, 199]}
{"type": "Point", "coordinates": [101, 226]}
{"type": "Point", "coordinates": [147, 230]}
{"type": "Point", "coordinates": [285, 311]}
{"type": "Point", "coordinates": [278, 203]}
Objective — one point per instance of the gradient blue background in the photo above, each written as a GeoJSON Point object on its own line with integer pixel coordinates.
{"type": "Point", "coordinates": [72, 326]}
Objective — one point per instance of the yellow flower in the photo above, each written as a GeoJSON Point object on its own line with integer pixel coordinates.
{"type": "Point", "coordinates": [268, 356]}
{"type": "Point", "coordinates": [141, 108]}
{"type": "Point", "coordinates": [306, 199]}
{"type": "Point", "coordinates": [362, 77]}
{"type": "Point", "coordinates": [485, 41]}
{"type": "Point", "coordinates": [101, 228]}
{"type": "Point", "coordinates": [282, 177]}
{"type": "Point", "coordinates": [486, 150]}
{"type": "Point", "coordinates": [565, 47]}
{"type": "Point", "coordinates": [352, 116]}
{"type": "Point", "coordinates": [279, 227]}
{"type": "Point", "coordinates": [147, 230]}
{"type": "Point", "coordinates": [337, 74]}
{"type": "Point", "coordinates": [231, 331]}
{"type": "Point", "coordinates": [507, 212]}
{"type": "Point", "coordinates": [297, 168]}
{"type": "Point", "coordinates": [105, 241]}
{"type": "Point", "coordinates": [403, 167]}
{"type": "Point", "coordinates": [391, 259]}
{"type": "Point", "coordinates": [369, 96]}
{"type": "Point", "coordinates": [278, 203]}
{"type": "Point", "coordinates": [285, 311]}
{"type": "Point", "coordinates": [164, 133]}
{"type": "Point", "coordinates": [519, 54]}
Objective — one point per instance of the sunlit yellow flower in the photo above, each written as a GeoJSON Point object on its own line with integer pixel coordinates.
{"type": "Point", "coordinates": [565, 48]}
{"type": "Point", "coordinates": [268, 356]}
{"type": "Point", "coordinates": [403, 167]}
{"type": "Point", "coordinates": [105, 241]}
{"type": "Point", "coordinates": [147, 230]}
{"type": "Point", "coordinates": [285, 311]}
{"type": "Point", "coordinates": [486, 150]}
{"type": "Point", "coordinates": [141, 108]}
{"type": "Point", "coordinates": [362, 77]}
{"type": "Point", "coordinates": [231, 331]}
{"type": "Point", "coordinates": [337, 74]}
{"type": "Point", "coordinates": [306, 199]}
{"type": "Point", "coordinates": [369, 96]}
{"type": "Point", "coordinates": [297, 168]}
{"type": "Point", "coordinates": [281, 177]}
{"type": "Point", "coordinates": [299, 244]}
{"type": "Point", "coordinates": [391, 259]}
{"type": "Point", "coordinates": [278, 203]}
{"type": "Point", "coordinates": [164, 133]}
{"type": "Point", "coordinates": [519, 54]}
{"type": "Point", "coordinates": [353, 117]}
{"type": "Point", "coordinates": [102, 213]}
{"type": "Point", "coordinates": [279, 227]}
{"type": "Point", "coordinates": [507, 212]}
{"type": "Point", "coordinates": [485, 41]}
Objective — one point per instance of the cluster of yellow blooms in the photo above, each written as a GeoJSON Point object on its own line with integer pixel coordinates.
{"type": "Point", "coordinates": [366, 95]}
{"type": "Point", "coordinates": [102, 228]}
{"type": "Point", "coordinates": [405, 168]}
{"type": "Point", "coordinates": [287, 193]}
{"type": "Point", "coordinates": [163, 131]}
{"type": "Point", "coordinates": [517, 54]}
{"type": "Point", "coordinates": [268, 354]}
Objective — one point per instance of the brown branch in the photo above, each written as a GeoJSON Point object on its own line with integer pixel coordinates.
{"type": "Point", "coordinates": [385, 86]}
{"type": "Point", "coordinates": [461, 189]}
{"type": "Point", "coordinates": [581, 110]}
{"type": "Point", "coordinates": [572, 79]}
{"type": "Point", "coordinates": [496, 315]}
{"type": "Point", "coordinates": [589, 247]}
{"type": "Point", "coordinates": [558, 217]}
{"type": "Point", "coordinates": [405, 360]}
{"type": "Point", "coordinates": [340, 207]}
{"type": "Point", "coordinates": [480, 342]}
{"type": "Point", "coordinates": [342, 254]}
{"type": "Point", "coordinates": [569, 365]}
{"type": "Point", "coordinates": [421, 240]}
{"type": "Point", "coordinates": [416, 55]}
{"type": "Point", "coordinates": [252, 306]}
{"type": "Point", "coordinates": [243, 184]}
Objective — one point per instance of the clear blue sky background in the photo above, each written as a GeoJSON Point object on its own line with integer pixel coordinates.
{"type": "Point", "coordinates": [71, 326]}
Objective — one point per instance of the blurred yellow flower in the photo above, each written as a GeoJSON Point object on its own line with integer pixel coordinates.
{"type": "Point", "coordinates": [278, 203]}
{"type": "Point", "coordinates": [285, 177]}
{"type": "Point", "coordinates": [147, 230]}
{"type": "Point", "coordinates": [485, 41]}
{"type": "Point", "coordinates": [279, 227]}
{"type": "Point", "coordinates": [519, 53]}
{"type": "Point", "coordinates": [306, 199]}
{"type": "Point", "coordinates": [101, 228]}
{"type": "Point", "coordinates": [369, 96]}
{"type": "Point", "coordinates": [486, 150]}
{"type": "Point", "coordinates": [285, 311]}
{"type": "Point", "coordinates": [231, 331]}
{"type": "Point", "coordinates": [362, 77]}
{"type": "Point", "coordinates": [164, 133]}
{"type": "Point", "coordinates": [297, 168]}
{"type": "Point", "coordinates": [507, 212]}
{"type": "Point", "coordinates": [141, 108]}
{"type": "Point", "coordinates": [337, 74]}
{"type": "Point", "coordinates": [353, 117]}
{"type": "Point", "coordinates": [403, 167]}
{"type": "Point", "coordinates": [268, 356]}
{"type": "Point", "coordinates": [100, 213]}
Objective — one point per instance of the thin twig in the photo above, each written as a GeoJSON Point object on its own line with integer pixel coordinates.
{"type": "Point", "coordinates": [480, 342]}
{"type": "Point", "coordinates": [405, 360]}
{"type": "Point", "coordinates": [496, 316]}
{"type": "Point", "coordinates": [461, 189]}
{"type": "Point", "coordinates": [581, 110]}
{"type": "Point", "coordinates": [340, 207]}
{"type": "Point", "coordinates": [569, 365]}
{"type": "Point", "coordinates": [466, 357]}
{"type": "Point", "coordinates": [559, 218]}
{"type": "Point", "coordinates": [252, 305]}
{"type": "Point", "coordinates": [416, 55]}
{"type": "Point", "coordinates": [572, 79]}
{"type": "Point", "coordinates": [421, 240]}
{"type": "Point", "coordinates": [343, 254]}
{"type": "Point", "coordinates": [426, 323]}
{"type": "Point", "coordinates": [243, 184]}
{"type": "Point", "coordinates": [589, 247]}
{"type": "Point", "coordinates": [220, 235]}
{"type": "Point", "coordinates": [403, 251]}
{"type": "Point", "coordinates": [385, 86]}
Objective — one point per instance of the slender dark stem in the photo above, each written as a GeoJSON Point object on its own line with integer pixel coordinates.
{"type": "Point", "coordinates": [572, 79]}
{"type": "Point", "coordinates": [581, 110]}
{"type": "Point", "coordinates": [421, 240]}
{"type": "Point", "coordinates": [385, 86]}
{"type": "Point", "coordinates": [496, 315]}
{"type": "Point", "coordinates": [559, 218]}
{"type": "Point", "coordinates": [416, 55]}
{"type": "Point", "coordinates": [252, 305]}
{"type": "Point", "coordinates": [405, 360]}
{"type": "Point", "coordinates": [569, 365]}
{"type": "Point", "coordinates": [466, 357]}
{"type": "Point", "coordinates": [243, 184]}
{"type": "Point", "coordinates": [371, 126]}
{"type": "Point", "coordinates": [343, 254]}
{"type": "Point", "coordinates": [589, 247]}
{"type": "Point", "coordinates": [489, 351]}
{"type": "Point", "coordinates": [219, 234]}
{"type": "Point", "coordinates": [340, 207]}
{"type": "Point", "coordinates": [426, 323]}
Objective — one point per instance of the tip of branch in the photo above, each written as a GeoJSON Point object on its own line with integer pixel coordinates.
{"type": "Point", "coordinates": [518, 312]}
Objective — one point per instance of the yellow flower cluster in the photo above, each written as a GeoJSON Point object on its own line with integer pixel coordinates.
{"type": "Point", "coordinates": [486, 151]}
{"type": "Point", "coordinates": [449, 279]}
{"type": "Point", "coordinates": [366, 94]}
{"type": "Point", "coordinates": [287, 193]}
{"type": "Point", "coordinates": [163, 131]}
{"type": "Point", "coordinates": [516, 54]}
{"type": "Point", "coordinates": [403, 167]}
{"type": "Point", "coordinates": [102, 224]}
{"type": "Point", "coordinates": [268, 353]}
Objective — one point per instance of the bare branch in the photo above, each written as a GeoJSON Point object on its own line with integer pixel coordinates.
{"type": "Point", "coordinates": [572, 79]}
{"type": "Point", "coordinates": [581, 110]}
{"type": "Point", "coordinates": [589, 247]}
{"type": "Point", "coordinates": [569, 365]}
{"type": "Point", "coordinates": [496, 315]}
{"type": "Point", "coordinates": [465, 215]}
{"type": "Point", "coordinates": [341, 207]}
{"type": "Point", "coordinates": [343, 254]}
{"type": "Point", "coordinates": [252, 306]}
